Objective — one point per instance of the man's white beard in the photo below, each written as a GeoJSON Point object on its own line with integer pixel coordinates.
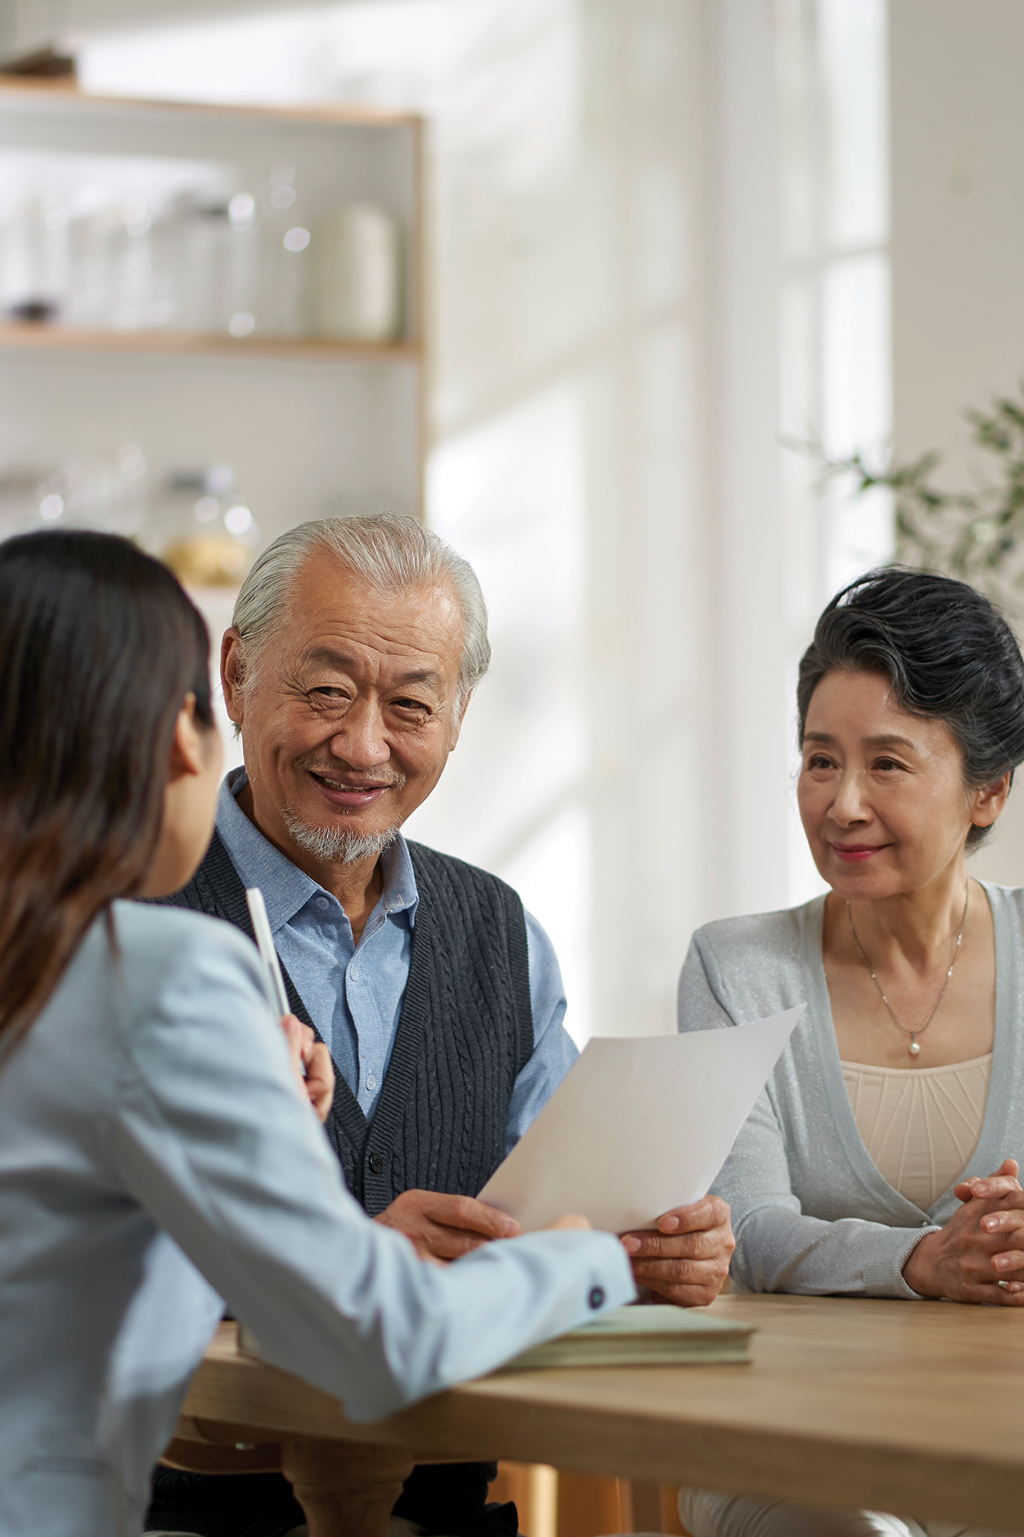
{"type": "Point", "coordinates": [336, 845]}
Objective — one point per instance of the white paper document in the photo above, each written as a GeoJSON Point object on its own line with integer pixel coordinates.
{"type": "Point", "coordinates": [638, 1126]}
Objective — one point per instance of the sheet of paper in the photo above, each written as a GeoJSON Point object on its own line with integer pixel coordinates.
{"type": "Point", "coordinates": [638, 1126]}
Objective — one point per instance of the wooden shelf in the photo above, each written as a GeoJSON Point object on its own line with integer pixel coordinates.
{"type": "Point", "coordinates": [45, 337]}
{"type": "Point", "coordinates": [32, 89]}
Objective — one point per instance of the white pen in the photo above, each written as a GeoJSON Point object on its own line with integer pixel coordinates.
{"type": "Point", "coordinates": [265, 944]}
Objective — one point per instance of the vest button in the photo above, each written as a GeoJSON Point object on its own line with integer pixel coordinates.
{"type": "Point", "coordinates": [596, 1297]}
{"type": "Point", "coordinates": [376, 1162]}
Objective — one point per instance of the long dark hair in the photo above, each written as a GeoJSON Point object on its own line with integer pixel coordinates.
{"type": "Point", "coordinates": [99, 647]}
{"type": "Point", "coordinates": [949, 654]}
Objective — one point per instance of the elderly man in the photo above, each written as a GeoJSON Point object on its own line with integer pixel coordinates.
{"type": "Point", "coordinates": [355, 647]}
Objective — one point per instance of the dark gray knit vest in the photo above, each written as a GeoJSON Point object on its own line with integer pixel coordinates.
{"type": "Point", "coordinates": [464, 1033]}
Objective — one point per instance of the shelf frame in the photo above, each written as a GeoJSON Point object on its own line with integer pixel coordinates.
{"type": "Point", "coordinates": [42, 336]}
{"type": "Point", "coordinates": [48, 92]}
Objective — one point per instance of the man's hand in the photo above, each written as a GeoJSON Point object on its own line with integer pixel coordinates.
{"type": "Point", "coordinates": [687, 1260]}
{"type": "Point", "coordinates": [981, 1245]}
{"type": "Point", "coordinates": [311, 1064]}
{"type": "Point", "coordinates": [444, 1227]}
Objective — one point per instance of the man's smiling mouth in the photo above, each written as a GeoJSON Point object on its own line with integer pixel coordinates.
{"type": "Point", "coordinates": [353, 789]}
{"type": "Point", "coordinates": [359, 787]}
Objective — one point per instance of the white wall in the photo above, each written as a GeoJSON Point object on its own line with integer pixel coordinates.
{"type": "Point", "coordinates": [752, 572]}
{"type": "Point", "coordinates": [27, 25]}
{"type": "Point", "coordinates": [571, 423]}
{"type": "Point", "coordinates": [957, 239]}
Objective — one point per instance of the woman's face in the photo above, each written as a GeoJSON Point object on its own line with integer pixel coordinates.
{"type": "Point", "coordinates": [881, 792]}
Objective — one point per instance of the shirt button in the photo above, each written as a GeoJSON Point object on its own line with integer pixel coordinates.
{"type": "Point", "coordinates": [353, 972]}
{"type": "Point", "coordinates": [371, 1082]}
{"type": "Point", "coordinates": [596, 1297]}
{"type": "Point", "coordinates": [323, 904]}
{"type": "Point", "coordinates": [376, 1162]}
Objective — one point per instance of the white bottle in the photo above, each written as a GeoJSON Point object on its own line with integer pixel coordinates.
{"type": "Point", "coordinates": [357, 286]}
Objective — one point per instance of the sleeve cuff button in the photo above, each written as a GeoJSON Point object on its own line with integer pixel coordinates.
{"type": "Point", "coordinates": [596, 1297]}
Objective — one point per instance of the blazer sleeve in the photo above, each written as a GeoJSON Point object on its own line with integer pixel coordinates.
{"type": "Point", "coordinates": [215, 1140]}
{"type": "Point", "coordinates": [778, 1247]}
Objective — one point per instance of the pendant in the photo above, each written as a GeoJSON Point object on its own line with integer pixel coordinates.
{"type": "Point", "coordinates": [914, 1047]}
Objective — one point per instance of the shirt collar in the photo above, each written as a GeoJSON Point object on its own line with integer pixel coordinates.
{"type": "Point", "coordinates": [286, 888]}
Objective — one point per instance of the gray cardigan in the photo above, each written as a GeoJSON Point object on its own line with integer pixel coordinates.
{"type": "Point", "coordinates": [811, 1212]}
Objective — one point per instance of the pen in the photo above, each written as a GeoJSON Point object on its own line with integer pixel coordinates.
{"type": "Point", "coordinates": [265, 945]}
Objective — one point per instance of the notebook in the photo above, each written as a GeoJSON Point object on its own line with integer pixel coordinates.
{"type": "Point", "coordinates": [641, 1336]}
{"type": "Point", "coordinates": [631, 1336]}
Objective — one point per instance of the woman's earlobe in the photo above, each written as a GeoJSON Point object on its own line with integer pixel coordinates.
{"type": "Point", "coordinates": [186, 756]}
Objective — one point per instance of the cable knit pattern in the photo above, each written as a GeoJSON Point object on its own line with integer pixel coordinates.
{"type": "Point", "coordinates": [465, 1032]}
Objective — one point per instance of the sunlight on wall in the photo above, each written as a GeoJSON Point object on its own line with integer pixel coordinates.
{"type": "Point", "coordinates": [835, 329]}
{"type": "Point", "coordinates": [566, 212]}
{"type": "Point", "coordinates": [510, 496]}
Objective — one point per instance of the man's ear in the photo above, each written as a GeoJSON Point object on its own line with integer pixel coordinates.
{"type": "Point", "coordinates": [232, 675]}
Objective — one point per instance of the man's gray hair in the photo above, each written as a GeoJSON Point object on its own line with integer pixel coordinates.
{"type": "Point", "coordinates": [388, 551]}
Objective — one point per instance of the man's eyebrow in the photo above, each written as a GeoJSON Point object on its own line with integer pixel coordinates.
{"type": "Point", "coordinates": [326, 656]}
{"type": "Point", "coordinates": [424, 675]}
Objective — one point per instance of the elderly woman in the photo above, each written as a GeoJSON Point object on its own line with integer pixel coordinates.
{"type": "Point", "coordinates": [865, 1168]}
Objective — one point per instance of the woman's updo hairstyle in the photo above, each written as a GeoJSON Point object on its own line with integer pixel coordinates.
{"type": "Point", "coordinates": [948, 652]}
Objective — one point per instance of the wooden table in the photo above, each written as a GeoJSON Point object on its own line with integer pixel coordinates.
{"type": "Point", "coordinates": [910, 1407]}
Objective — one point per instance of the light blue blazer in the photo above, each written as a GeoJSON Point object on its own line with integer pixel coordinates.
{"type": "Point", "coordinates": [156, 1157]}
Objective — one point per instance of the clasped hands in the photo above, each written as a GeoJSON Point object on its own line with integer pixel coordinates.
{"type": "Point", "coordinates": [980, 1247]}
{"type": "Point", "coordinates": [685, 1261]}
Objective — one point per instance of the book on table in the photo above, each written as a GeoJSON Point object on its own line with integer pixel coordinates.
{"type": "Point", "coordinates": [656, 1335]}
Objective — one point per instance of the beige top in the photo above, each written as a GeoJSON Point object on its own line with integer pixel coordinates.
{"type": "Point", "coordinates": [920, 1125]}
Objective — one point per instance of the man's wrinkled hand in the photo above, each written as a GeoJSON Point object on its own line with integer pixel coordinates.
{"type": "Point", "coordinates": [311, 1064]}
{"type": "Point", "coordinates": [444, 1227]}
{"type": "Point", "coordinates": [687, 1259]}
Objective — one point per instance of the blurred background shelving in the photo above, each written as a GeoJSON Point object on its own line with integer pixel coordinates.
{"type": "Point", "coordinates": [31, 335]}
{"type": "Point", "coordinates": [210, 319]}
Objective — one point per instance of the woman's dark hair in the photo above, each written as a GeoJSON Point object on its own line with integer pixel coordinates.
{"type": "Point", "coordinates": [99, 647]}
{"type": "Point", "coordinates": [948, 652]}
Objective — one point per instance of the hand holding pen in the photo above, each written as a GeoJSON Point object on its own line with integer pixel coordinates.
{"type": "Point", "coordinates": [311, 1061]}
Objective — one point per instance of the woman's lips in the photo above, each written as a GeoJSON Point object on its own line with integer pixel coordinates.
{"type": "Point", "coordinates": [856, 853]}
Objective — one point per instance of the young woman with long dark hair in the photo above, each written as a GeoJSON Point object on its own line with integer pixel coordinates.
{"type": "Point", "coordinates": [157, 1154]}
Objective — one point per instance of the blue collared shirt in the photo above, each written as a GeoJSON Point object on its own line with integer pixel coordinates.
{"type": "Point", "coordinates": [354, 992]}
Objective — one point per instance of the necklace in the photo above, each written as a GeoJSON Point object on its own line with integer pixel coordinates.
{"type": "Point", "coordinates": [914, 1046]}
